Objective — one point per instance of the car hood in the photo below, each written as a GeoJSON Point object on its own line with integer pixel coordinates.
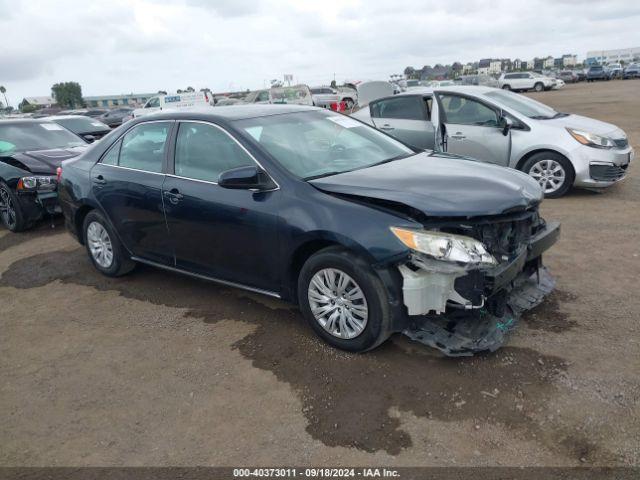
{"type": "Point", "coordinates": [587, 124]}
{"type": "Point", "coordinates": [440, 185]}
{"type": "Point", "coordinates": [47, 161]}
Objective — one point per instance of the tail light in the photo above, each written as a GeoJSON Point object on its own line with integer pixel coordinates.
{"type": "Point", "coordinates": [59, 174]}
{"type": "Point", "coordinates": [338, 106]}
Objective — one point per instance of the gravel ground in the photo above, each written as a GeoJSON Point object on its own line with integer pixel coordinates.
{"type": "Point", "coordinates": [160, 369]}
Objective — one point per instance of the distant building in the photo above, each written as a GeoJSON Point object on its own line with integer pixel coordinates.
{"type": "Point", "coordinates": [38, 102]}
{"type": "Point", "coordinates": [548, 62]}
{"type": "Point", "coordinates": [557, 62]}
{"type": "Point", "coordinates": [517, 64]}
{"type": "Point", "coordinates": [468, 68]}
{"type": "Point", "coordinates": [626, 55]}
{"type": "Point", "coordinates": [111, 101]}
{"type": "Point", "coordinates": [489, 66]}
{"type": "Point", "coordinates": [569, 60]}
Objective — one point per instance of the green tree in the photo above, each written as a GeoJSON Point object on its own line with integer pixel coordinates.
{"type": "Point", "coordinates": [27, 108]}
{"type": "Point", "coordinates": [4, 91]}
{"type": "Point", "coordinates": [67, 94]}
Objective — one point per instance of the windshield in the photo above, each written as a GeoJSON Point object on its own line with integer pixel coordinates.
{"type": "Point", "coordinates": [595, 69]}
{"type": "Point", "coordinates": [22, 137]}
{"type": "Point", "coordinates": [413, 83]}
{"type": "Point", "coordinates": [523, 105]}
{"type": "Point", "coordinates": [317, 144]}
{"type": "Point", "coordinates": [82, 125]}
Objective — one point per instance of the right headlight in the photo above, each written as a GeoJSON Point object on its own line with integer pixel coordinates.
{"type": "Point", "coordinates": [445, 246]}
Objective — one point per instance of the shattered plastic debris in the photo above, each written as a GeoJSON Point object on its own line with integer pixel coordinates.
{"type": "Point", "coordinates": [470, 335]}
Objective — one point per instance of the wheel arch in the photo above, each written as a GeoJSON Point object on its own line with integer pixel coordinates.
{"type": "Point", "coordinates": [78, 220]}
{"type": "Point", "coordinates": [308, 248]}
{"type": "Point", "coordinates": [528, 155]}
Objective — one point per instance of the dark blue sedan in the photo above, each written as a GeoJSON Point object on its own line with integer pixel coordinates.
{"type": "Point", "coordinates": [367, 235]}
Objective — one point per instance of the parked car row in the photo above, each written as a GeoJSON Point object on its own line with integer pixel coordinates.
{"type": "Point", "coordinates": [400, 218]}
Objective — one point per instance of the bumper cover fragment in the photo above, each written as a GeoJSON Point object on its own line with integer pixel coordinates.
{"type": "Point", "coordinates": [467, 335]}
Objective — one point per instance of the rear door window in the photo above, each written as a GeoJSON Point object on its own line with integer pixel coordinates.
{"type": "Point", "coordinates": [401, 107]}
{"type": "Point", "coordinates": [143, 147]}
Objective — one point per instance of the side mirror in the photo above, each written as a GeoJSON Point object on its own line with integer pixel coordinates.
{"type": "Point", "coordinates": [89, 138]}
{"type": "Point", "coordinates": [506, 124]}
{"type": "Point", "coordinates": [246, 178]}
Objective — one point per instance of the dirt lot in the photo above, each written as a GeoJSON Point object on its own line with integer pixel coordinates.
{"type": "Point", "coordinates": [160, 369]}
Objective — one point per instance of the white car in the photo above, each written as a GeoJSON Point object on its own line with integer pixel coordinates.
{"type": "Point", "coordinates": [325, 96]}
{"type": "Point", "coordinates": [558, 85]}
{"type": "Point", "coordinates": [557, 149]}
{"type": "Point", "coordinates": [174, 101]}
{"type": "Point", "coordinates": [521, 81]}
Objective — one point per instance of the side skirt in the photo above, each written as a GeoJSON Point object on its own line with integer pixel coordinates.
{"type": "Point", "coordinates": [207, 278]}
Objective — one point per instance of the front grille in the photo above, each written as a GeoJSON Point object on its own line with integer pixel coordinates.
{"type": "Point", "coordinates": [621, 142]}
{"type": "Point", "coordinates": [607, 173]}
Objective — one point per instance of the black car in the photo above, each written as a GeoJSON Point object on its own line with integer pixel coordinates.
{"type": "Point", "coordinates": [90, 129]}
{"type": "Point", "coordinates": [114, 117]}
{"type": "Point", "coordinates": [597, 72]}
{"type": "Point", "coordinates": [366, 234]}
{"type": "Point", "coordinates": [30, 153]}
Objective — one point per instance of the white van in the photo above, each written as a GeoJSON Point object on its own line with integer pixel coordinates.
{"type": "Point", "coordinates": [175, 101]}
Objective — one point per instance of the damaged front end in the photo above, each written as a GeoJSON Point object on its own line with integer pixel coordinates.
{"type": "Point", "coordinates": [467, 282]}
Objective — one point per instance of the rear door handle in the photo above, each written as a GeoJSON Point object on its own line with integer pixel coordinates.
{"type": "Point", "coordinates": [458, 136]}
{"type": "Point", "coordinates": [99, 180]}
{"type": "Point", "coordinates": [174, 195]}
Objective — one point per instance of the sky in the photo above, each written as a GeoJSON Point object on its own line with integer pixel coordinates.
{"type": "Point", "coordinates": [142, 46]}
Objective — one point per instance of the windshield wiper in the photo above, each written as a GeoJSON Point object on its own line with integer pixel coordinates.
{"type": "Point", "coordinates": [392, 159]}
{"type": "Point", "coordinates": [327, 174]}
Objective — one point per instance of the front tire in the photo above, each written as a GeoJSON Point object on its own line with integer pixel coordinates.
{"type": "Point", "coordinates": [538, 87]}
{"type": "Point", "coordinates": [553, 172]}
{"type": "Point", "coordinates": [506, 87]}
{"type": "Point", "coordinates": [105, 251]}
{"type": "Point", "coordinates": [11, 213]}
{"type": "Point", "coordinates": [344, 301]}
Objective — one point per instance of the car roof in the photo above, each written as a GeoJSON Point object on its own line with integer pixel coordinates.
{"type": "Point", "coordinates": [230, 112]}
{"type": "Point", "coordinates": [470, 89]}
{"type": "Point", "coordinates": [5, 121]}
{"type": "Point", "coordinates": [64, 117]}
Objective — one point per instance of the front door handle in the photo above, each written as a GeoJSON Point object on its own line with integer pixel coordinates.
{"type": "Point", "coordinates": [99, 180]}
{"type": "Point", "coordinates": [174, 195]}
{"type": "Point", "coordinates": [387, 127]}
{"type": "Point", "coordinates": [458, 136]}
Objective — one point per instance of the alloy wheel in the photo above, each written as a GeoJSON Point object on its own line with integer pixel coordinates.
{"type": "Point", "coordinates": [100, 244]}
{"type": "Point", "coordinates": [7, 209]}
{"type": "Point", "coordinates": [549, 174]}
{"type": "Point", "coordinates": [338, 303]}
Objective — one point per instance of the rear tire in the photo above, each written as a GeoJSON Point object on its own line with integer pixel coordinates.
{"type": "Point", "coordinates": [105, 251]}
{"type": "Point", "coordinates": [320, 291]}
{"type": "Point", "coordinates": [552, 171]}
{"type": "Point", "coordinates": [11, 213]}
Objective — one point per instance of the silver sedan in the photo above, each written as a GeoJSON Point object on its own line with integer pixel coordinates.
{"type": "Point", "coordinates": [558, 149]}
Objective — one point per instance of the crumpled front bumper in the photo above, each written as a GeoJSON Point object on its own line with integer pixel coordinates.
{"type": "Point", "coordinates": [498, 297]}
